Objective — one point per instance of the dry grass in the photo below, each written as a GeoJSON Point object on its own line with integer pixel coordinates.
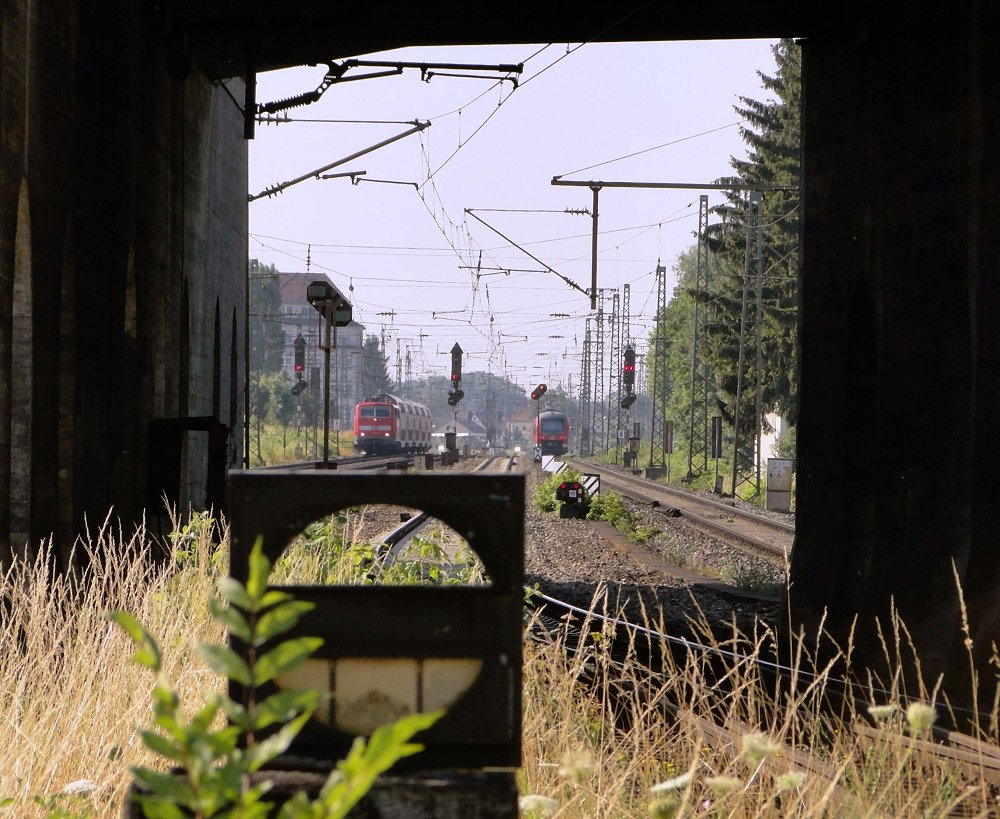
{"type": "Point", "coordinates": [713, 737]}
{"type": "Point", "coordinates": [71, 698]}
{"type": "Point", "coordinates": [601, 738]}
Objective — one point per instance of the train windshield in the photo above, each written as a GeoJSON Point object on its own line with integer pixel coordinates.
{"type": "Point", "coordinates": [551, 426]}
{"type": "Point", "coordinates": [373, 412]}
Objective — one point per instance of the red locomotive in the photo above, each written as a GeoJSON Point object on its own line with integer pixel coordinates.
{"type": "Point", "coordinates": [552, 432]}
{"type": "Point", "coordinates": [387, 425]}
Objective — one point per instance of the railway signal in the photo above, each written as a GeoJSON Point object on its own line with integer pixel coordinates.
{"type": "Point", "coordinates": [300, 357]}
{"type": "Point", "coordinates": [628, 400]}
{"type": "Point", "coordinates": [456, 394]}
{"type": "Point", "coordinates": [628, 369]}
{"type": "Point", "coordinates": [538, 392]}
{"type": "Point", "coordinates": [456, 365]}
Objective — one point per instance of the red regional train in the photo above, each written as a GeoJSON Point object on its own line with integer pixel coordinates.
{"type": "Point", "coordinates": [552, 432]}
{"type": "Point", "coordinates": [387, 425]}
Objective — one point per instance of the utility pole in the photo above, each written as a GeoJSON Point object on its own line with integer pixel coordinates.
{"type": "Point", "coordinates": [698, 429]}
{"type": "Point", "coordinates": [593, 249]}
{"type": "Point", "coordinates": [600, 417]}
{"type": "Point", "coordinates": [658, 445]}
{"type": "Point", "coordinates": [586, 404]}
{"type": "Point", "coordinates": [745, 462]}
{"type": "Point", "coordinates": [596, 186]}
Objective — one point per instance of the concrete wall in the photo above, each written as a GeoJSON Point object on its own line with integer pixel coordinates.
{"type": "Point", "coordinates": [900, 354]}
{"type": "Point", "coordinates": [122, 262]}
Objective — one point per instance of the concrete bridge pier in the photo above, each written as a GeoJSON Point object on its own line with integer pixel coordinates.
{"type": "Point", "coordinates": [122, 267]}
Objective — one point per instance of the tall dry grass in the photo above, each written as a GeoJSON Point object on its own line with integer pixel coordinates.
{"type": "Point", "coordinates": [715, 735]}
{"type": "Point", "coordinates": [70, 699]}
{"type": "Point", "coordinates": [602, 738]}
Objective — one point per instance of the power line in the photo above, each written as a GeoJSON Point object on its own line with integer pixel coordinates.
{"type": "Point", "coordinates": [654, 148]}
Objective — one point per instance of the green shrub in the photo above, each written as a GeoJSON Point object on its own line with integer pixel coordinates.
{"type": "Point", "coordinates": [217, 749]}
{"type": "Point", "coordinates": [544, 498]}
{"type": "Point", "coordinates": [610, 507]}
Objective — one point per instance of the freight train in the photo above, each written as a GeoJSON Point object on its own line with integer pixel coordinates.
{"type": "Point", "coordinates": [552, 432]}
{"type": "Point", "coordinates": [387, 425]}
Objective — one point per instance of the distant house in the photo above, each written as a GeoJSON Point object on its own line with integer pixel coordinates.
{"type": "Point", "coordinates": [522, 423]}
{"type": "Point", "coordinates": [298, 317]}
{"type": "Point", "coordinates": [468, 429]}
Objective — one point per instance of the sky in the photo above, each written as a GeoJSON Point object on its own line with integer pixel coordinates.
{"type": "Point", "coordinates": [406, 241]}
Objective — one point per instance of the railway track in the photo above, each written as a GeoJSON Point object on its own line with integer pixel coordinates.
{"type": "Point", "coordinates": [768, 538]}
{"type": "Point", "coordinates": [395, 545]}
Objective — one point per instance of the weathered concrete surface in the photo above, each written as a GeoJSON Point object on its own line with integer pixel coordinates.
{"type": "Point", "coordinates": [898, 491]}
{"type": "Point", "coordinates": [122, 263]}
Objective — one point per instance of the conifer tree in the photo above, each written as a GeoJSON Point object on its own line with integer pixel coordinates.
{"type": "Point", "coordinates": [771, 131]}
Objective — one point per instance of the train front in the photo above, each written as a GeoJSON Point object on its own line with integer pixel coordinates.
{"type": "Point", "coordinates": [375, 427]}
{"type": "Point", "coordinates": [552, 432]}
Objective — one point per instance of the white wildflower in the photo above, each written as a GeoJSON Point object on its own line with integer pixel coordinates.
{"type": "Point", "coordinates": [790, 781]}
{"type": "Point", "coordinates": [536, 804]}
{"type": "Point", "coordinates": [722, 785]}
{"type": "Point", "coordinates": [81, 787]}
{"type": "Point", "coordinates": [758, 746]}
{"type": "Point", "coordinates": [882, 712]}
{"type": "Point", "coordinates": [577, 765]}
{"type": "Point", "coordinates": [920, 717]}
{"type": "Point", "coordinates": [676, 784]}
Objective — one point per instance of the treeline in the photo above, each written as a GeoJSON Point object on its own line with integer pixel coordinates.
{"type": "Point", "coordinates": [747, 301]}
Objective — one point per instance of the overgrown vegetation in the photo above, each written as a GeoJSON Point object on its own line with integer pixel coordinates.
{"type": "Point", "coordinates": [544, 498]}
{"type": "Point", "coordinates": [226, 743]}
{"type": "Point", "coordinates": [72, 701]}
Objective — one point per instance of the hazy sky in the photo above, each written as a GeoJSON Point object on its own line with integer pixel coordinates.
{"type": "Point", "coordinates": [427, 273]}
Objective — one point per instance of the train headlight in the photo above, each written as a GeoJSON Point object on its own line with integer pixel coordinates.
{"type": "Point", "coordinates": [361, 435]}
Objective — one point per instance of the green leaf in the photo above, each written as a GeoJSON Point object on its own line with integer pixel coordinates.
{"type": "Point", "coordinates": [284, 706]}
{"type": "Point", "coordinates": [233, 591]}
{"type": "Point", "coordinates": [284, 657]}
{"type": "Point", "coordinates": [365, 761]}
{"type": "Point", "coordinates": [158, 807]}
{"type": "Point", "coordinates": [203, 719]}
{"type": "Point", "coordinates": [260, 568]}
{"type": "Point", "coordinates": [163, 746]}
{"type": "Point", "coordinates": [234, 622]}
{"type": "Point", "coordinates": [280, 619]}
{"type": "Point", "coordinates": [165, 785]}
{"type": "Point", "coordinates": [147, 652]}
{"type": "Point", "coordinates": [165, 700]}
{"type": "Point", "coordinates": [276, 744]}
{"type": "Point", "coordinates": [299, 807]}
{"type": "Point", "coordinates": [236, 714]}
{"type": "Point", "coordinates": [225, 662]}
{"type": "Point", "coordinates": [273, 597]}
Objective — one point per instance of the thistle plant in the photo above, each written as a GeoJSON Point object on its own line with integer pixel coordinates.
{"type": "Point", "coordinates": [216, 751]}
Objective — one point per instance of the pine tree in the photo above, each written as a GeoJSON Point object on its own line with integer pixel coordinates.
{"type": "Point", "coordinates": [772, 134]}
{"type": "Point", "coordinates": [374, 368]}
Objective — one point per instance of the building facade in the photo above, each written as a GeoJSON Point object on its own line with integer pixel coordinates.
{"type": "Point", "coordinates": [299, 318]}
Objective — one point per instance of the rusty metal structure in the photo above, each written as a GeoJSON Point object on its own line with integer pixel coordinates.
{"type": "Point", "coordinates": [123, 251]}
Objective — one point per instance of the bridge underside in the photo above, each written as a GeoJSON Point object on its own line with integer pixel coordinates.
{"type": "Point", "coordinates": [123, 244]}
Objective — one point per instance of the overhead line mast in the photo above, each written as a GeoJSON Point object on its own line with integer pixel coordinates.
{"type": "Point", "coordinates": [596, 186]}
